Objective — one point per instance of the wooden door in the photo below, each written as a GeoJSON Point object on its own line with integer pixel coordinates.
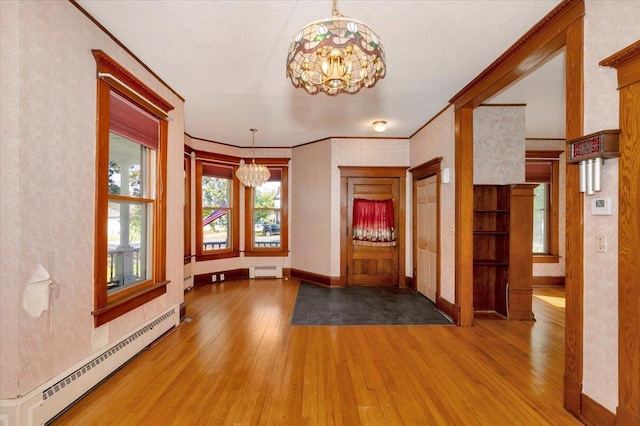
{"type": "Point", "coordinates": [367, 265]}
{"type": "Point", "coordinates": [426, 228]}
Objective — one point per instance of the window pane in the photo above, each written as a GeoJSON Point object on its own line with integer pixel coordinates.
{"type": "Point", "coordinates": [267, 196]}
{"type": "Point", "coordinates": [215, 229]}
{"type": "Point", "coordinates": [266, 228]}
{"type": "Point", "coordinates": [130, 162]}
{"type": "Point", "coordinates": [541, 218]}
{"type": "Point", "coordinates": [128, 244]}
{"type": "Point", "coordinates": [215, 192]}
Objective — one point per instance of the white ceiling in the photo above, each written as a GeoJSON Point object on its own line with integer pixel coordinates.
{"type": "Point", "coordinates": [227, 59]}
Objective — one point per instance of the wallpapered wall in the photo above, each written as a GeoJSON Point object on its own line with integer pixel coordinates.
{"type": "Point", "coordinates": [48, 202]}
{"type": "Point", "coordinates": [311, 208]}
{"type": "Point", "coordinates": [498, 145]}
{"type": "Point", "coordinates": [437, 139]}
{"type": "Point", "coordinates": [607, 30]}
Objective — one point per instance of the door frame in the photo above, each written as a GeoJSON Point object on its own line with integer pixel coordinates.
{"type": "Point", "coordinates": [347, 172]}
{"type": "Point", "coordinates": [562, 27]}
{"type": "Point", "coordinates": [423, 171]}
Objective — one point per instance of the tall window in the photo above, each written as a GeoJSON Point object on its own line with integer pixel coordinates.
{"type": "Point", "coordinates": [132, 194]}
{"type": "Point", "coordinates": [217, 230]}
{"type": "Point", "coordinates": [544, 172]}
{"type": "Point", "coordinates": [130, 202]}
{"type": "Point", "coordinates": [187, 205]}
{"type": "Point", "coordinates": [266, 230]}
{"type": "Point", "coordinates": [541, 204]}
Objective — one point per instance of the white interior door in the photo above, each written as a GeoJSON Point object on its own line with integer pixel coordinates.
{"type": "Point", "coordinates": [427, 201]}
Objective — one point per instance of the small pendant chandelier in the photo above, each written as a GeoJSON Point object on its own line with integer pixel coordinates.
{"type": "Point", "coordinates": [253, 174]}
{"type": "Point", "coordinates": [335, 55]}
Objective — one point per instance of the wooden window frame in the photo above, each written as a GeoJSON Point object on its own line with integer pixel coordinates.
{"type": "Point", "coordinates": [234, 238]}
{"type": "Point", "coordinates": [553, 256]}
{"type": "Point", "coordinates": [187, 204]}
{"type": "Point", "coordinates": [283, 250]}
{"type": "Point", "coordinates": [112, 76]}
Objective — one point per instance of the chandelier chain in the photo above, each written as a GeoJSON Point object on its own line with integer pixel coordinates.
{"type": "Point", "coordinates": [334, 11]}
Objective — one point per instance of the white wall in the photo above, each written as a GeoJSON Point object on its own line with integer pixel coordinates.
{"type": "Point", "coordinates": [47, 189]}
{"type": "Point", "coordinates": [609, 27]}
{"type": "Point", "coordinates": [437, 139]}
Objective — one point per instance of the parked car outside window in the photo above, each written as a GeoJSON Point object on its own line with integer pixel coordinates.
{"type": "Point", "coordinates": [270, 229]}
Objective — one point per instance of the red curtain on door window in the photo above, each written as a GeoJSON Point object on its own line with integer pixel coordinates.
{"type": "Point", "coordinates": [373, 223]}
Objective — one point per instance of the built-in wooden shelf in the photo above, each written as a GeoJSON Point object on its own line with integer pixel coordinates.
{"type": "Point", "coordinates": [502, 250]}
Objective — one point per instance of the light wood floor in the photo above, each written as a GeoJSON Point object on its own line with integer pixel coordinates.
{"type": "Point", "coordinates": [240, 362]}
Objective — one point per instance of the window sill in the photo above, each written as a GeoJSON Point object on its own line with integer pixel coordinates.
{"type": "Point", "coordinates": [266, 253]}
{"type": "Point", "coordinates": [127, 303]}
{"type": "Point", "coordinates": [546, 258]}
{"type": "Point", "coordinates": [214, 256]}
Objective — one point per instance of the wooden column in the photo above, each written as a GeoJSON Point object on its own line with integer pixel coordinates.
{"type": "Point", "coordinates": [464, 215]}
{"type": "Point", "coordinates": [574, 245]}
{"type": "Point", "coordinates": [627, 62]}
{"type": "Point", "coordinates": [521, 252]}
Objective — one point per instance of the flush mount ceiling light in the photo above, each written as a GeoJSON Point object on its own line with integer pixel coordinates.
{"type": "Point", "coordinates": [252, 174]}
{"type": "Point", "coordinates": [379, 126]}
{"type": "Point", "coordinates": [335, 55]}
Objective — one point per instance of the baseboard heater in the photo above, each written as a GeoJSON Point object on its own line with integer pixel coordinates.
{"type": "Point", "coordinates": [265, 272]}
{"type": "Point", "coordinates": [47, 401]}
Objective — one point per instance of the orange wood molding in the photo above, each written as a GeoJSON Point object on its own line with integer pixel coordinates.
{"type": "Point", "coordinates": [450, 309]}
{"type": "Point", "coordinates": [574, 269]}
{"type": "Point", "coordinates": [542, 281]}
{"type": "Point", "coordinates": [229, 275]}
{"type": "Point", "coordinates": [627, 62]}
{"type": "Point", "coordinates": [533, 48]}
{"type": "Point", "coordinates": [464, 214]}
{"type": "Point", "coordinates": [543, 154]}
{"type": "Point", "coordinates": [107, 64]}
{"type": "Point", "coordinates": [312, 277]}
{"type": "Point", "coordinates": [595, 414]}
{"type": "Point", "coordinates": [131, 301]}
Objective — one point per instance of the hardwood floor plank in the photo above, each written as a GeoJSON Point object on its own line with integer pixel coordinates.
{"type": "Point", "coordinates": [240, 362]}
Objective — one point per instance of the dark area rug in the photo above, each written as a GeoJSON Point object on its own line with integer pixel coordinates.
{"type": "Point", "coordinates": [316, 305]}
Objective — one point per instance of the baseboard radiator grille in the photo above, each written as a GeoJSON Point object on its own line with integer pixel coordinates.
{"type": "Point", "coordinates": [40, 406]}
{"type": "Point", "coordinates": [265, 272]}
{"type": "Point", "coordinates": [188, 282]}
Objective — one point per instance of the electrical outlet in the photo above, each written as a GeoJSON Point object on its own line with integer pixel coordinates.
{"type": "Point", "coordinates": [221, 277]}
{"type": "Point", "coordinates": [213, 278]}
{"type": "Point", "coordinates": [601, 243]}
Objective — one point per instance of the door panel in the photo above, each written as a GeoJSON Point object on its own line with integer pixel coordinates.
{"type": "Point", "coordinates": [371, 266]}
{"type": "Point", "coordinates": [426, 229]}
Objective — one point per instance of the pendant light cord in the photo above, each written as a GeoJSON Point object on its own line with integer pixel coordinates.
{"type": "Point", "coordinates": [253, 155]}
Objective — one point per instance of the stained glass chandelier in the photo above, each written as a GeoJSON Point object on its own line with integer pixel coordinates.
{"type": "Point", "coordinates": [335, 55]}
{"type": "Point", "coordinates": [252, 174]}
